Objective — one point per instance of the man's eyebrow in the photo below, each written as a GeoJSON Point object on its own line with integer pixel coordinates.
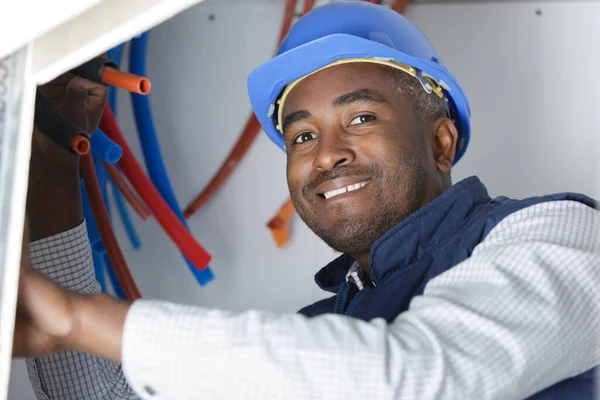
{"type": "Point", "coordinates": [361, 96]}
{"type": "Point", "coordinates": [293, 118]}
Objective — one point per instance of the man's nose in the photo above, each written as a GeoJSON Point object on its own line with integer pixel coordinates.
{"type": "Point", "coordinates": [333, 151]}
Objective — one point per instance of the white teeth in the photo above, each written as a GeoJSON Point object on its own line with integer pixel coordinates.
{"type": "Point", "coordinates": [348, 188]}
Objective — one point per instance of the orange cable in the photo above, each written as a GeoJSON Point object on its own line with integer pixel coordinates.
{"type": "Point", "coordinates": [92, 187]}
{"type": "Point", "coordinates": [134, 201]}
{"type": "Point", "coordinates": [125, 80]}
{"type": "Point", "coordinates": [279, 224]}
{"type": "Point", "coordinates": [80, 145]}
{"type": "Point", "coordinates": [244, 141]}
{"type": "Point", "coordinates": [400, 6]}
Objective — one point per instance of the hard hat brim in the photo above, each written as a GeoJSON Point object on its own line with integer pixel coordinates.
{"type": "Point", "coordinates": [266, 82]}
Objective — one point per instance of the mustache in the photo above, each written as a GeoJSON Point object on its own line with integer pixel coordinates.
{"type": "Point", "coordinates": [338, 172]}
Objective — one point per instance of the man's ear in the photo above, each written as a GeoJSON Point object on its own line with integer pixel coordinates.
{"type": "Point", "coordinates": [445, 137]}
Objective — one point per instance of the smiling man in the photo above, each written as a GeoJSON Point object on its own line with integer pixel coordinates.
{"type": "Point", "coordinates": [441, 291]}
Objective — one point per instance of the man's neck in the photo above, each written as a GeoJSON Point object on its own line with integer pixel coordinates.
{"type": "Point", "coordinates": [363, 261]}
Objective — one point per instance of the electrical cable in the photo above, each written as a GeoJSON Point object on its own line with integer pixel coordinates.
{"type": "Point", "coordinates": [99, 270]}
{"type": "Point", "coordinates": [114, 281]}
{"type": "Point", "coordinates": [279, 224]}
{"type": "Point", "coordinates": [113, 251]}
{"type": "Point", "coordinates": [125, 218]}
{"type": "Point", "coordinates": [161, 211]}
{"type": "Point", "coordinates": [103, 71]}
{"type": "Point", "coordinates": [150, 145]}
{"type": "Point", "coordinates": [125, 190]}
{"type": "Point", "coordinates": [104, 148]}
{"type": "Point", "coordinates": [114, 54]}
{"type": "Point", "coordinates": [244, 141]}
{"type": "Point", "coordinates": [400, 6]}
{"type": "Point", "coordinates": [92, 228]}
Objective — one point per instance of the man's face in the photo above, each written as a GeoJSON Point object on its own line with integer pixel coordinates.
{"type": "Point", "coordinates": [356, 162]}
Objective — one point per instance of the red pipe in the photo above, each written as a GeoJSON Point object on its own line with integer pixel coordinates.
{"type": "Point", "coordinates": [246, 138]}
{"type": "Point", "coordinates": [92, 187]}
{"type": "Point", "coordinates": [142, 184]}
{"type": "Point", "coordinates": [134, 201]}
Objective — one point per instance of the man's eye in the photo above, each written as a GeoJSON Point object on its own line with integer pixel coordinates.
{"type": "Point", "coordinates": [304, 137]}
{"type": "Point", "coordinates": [361, 119]}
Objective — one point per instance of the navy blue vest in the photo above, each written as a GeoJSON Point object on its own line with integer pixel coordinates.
{"type": "Point", "coordinates": [432, 240]}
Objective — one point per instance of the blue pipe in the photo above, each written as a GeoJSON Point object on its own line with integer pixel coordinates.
{"type": "Point", "coordinates": [150, 146]}
{"type": "Point", "coordinates": [99, 269]}
{"type": "Point", "coordinates": [113, 279]}
{"type": "Point", "coordinates": [115, 55]}
{"type": "Point", "coordinates": [126, 219]}
{"type": "Point", "coordinates": [103, 180]}
{"type": "Point", "coordinates": [104, 148]}
{"type": "Point", "coordinates": [92, 228]}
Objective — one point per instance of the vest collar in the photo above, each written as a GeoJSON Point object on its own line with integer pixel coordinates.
{"type": "Point", "coordinates": [407, 241]}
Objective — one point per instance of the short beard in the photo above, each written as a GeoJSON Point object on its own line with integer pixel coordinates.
{"type": "Point", "coordinates": [357, 236]}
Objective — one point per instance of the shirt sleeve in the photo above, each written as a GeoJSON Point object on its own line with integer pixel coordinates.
{"type": "Point", "coordinates": [520, 314]}
{"type": "Point", "coordinates": [66, 258]}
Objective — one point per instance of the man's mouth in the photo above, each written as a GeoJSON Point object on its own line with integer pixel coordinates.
{"type": "Point", "coordinates": [350, 188]}
{"type": "Point", "coordinates": [340, 186]}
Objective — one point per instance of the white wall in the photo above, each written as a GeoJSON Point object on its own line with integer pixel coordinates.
{"type": "Point", "coordinates": [533, 100]}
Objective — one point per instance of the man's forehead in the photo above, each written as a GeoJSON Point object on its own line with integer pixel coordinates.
{"type": "Point", "coordinates": [327, 85]}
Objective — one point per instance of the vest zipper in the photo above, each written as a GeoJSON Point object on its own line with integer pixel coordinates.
{"type": "Point", "coordinates": [353, 302]}
{"type": "Point", "coordinates": [342, 292]}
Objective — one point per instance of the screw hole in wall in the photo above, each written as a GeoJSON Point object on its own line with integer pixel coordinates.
{"type": "Point", "coordinates": [211, 17]}
{"type": "Point", "coordinates": [538, 12]}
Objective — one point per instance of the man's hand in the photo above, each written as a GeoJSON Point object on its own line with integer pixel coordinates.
{"type": "Point", "coordinates": [54, 196]}
{"type": "Point", "coordinates": [50, 318]}
{"type": "Point", "coordinates": [45, 316]}
{"type": "Point", "coordinates": [78, 101]}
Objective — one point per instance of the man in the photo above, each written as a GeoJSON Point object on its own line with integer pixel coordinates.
{"type": "Point", "coordinates": [441, 291]}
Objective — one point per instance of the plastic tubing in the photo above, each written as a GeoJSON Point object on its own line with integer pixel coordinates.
{"type": "Point", "coordinates": [98, 258]}
{"type": "Point", "coordinates": [246, 138]}
{"type": "Point", "coordinates": [149, 142]}
{"type": "Point", "coordinates": [115, 55]}
{"type": "Point", "coordinates": [138, 179]}
{"type": "Point", "coordinates": [109, 240]}
{"type": "Point", "coordinates": [279, 224]}
{"type": "Point", "coordinates": [119, 182]}
{"type": "Point", "coordinates": [116, 285]}
{"type": "Point", "coordinates": [103, 71]}
{"type": "Point", "coordinates": [308, 5]}
{"type": "Point", "coordinates": [92, 228]}
{"type": "Point", "coordinates": [248, 135]}
{"type": "Point", "coordinates": [102, 178]}
{"type": "Point", "coordinates": [125, 218]}
{"type": "Point", "coordinates": [104, 148]}
{"type": "Point", "coordinates": [124, 80]}
{"type": "Point", "coordinates": [400, 6]}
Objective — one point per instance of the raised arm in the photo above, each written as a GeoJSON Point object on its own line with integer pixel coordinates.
{"type": "Point", "coordinates": [59, 248]}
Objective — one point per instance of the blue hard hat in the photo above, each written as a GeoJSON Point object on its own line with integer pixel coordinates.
{"type": "Point", "coordinates": [354, 31]}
